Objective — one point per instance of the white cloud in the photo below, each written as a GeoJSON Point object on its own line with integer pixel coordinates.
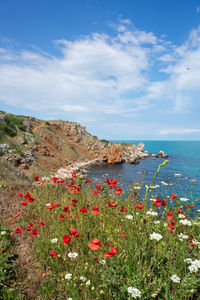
{"type": "Point", "coordinates": [179, 131]}
{"type": "Point", "coordinates": [198, 9]}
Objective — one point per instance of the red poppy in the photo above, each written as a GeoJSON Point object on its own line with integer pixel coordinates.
{"type": "Point", "coordinates": [3, 251]}
{"type": "Point", "coordinates": [74, 174]}
{"type": "Point", "coordinates": [83, 210]}
{"type": "Point", "coordinates": [19, 194]}
{"type": "Point", "coordinates": [41, 224]}
{"type": "Point", "coordinates": [139, 206]}
{"type": "Point", "coordinates": [73, 231]}
{"type": "Point", "coordinates": [34, 232]}
{"type": "Point", "coordinates": [62, 217]}
{"type": "Point", "coordinates": [173, 196]}
{"type": "Point", "coordinates": [118, 190]}
{"type": "Point", "coordinates": [88, 181]}
{"type": "Point", "coordinates": [123, 209]}
{"type": "Point", "coordinates": [23, 203]}
{"type": "Point", "coordinates": [53, 253]}
{"type": "Point", "coordinates": [111, 253]}
{"type": "Point", "coordinates": [95, 192]}
{"type": "Point", "coordinates": [54, 179]}
{"type": "Point", "coordinates": [62, 181]}
{"type": "Point", "coordinates": [76, 234]}
{"type": "Point", "coordinates": [19, 230]}
{"type": "Point", "coordinates": [66, 209]}
{"type": "Point", "coordinates": [171, 226]}
{"type": "Point", "coordinates": [107, 181]}
{"type": "Point", "coordinates": [36, 178]}
{"type": "Point", "coordinates": [16, 216]}
{"type": "Point", "coordinates": [95, 244]}
{"type": "Point", "coordinates": [112, 204]}
{"type": "Point", "coordinates": [98, 186]}
{"type": "Point", "coordinates": [123, 235]}
{"type": "Point", "coordinates": [66, 239]}
{"type": "Point", "coordinates": [191, 206]}
{"type": "Point", "coordinates": [160, 202]}
{"type": "Point", "coordinates": [95, 210]}
{"type": "Point", "coordinates": [170, 215]}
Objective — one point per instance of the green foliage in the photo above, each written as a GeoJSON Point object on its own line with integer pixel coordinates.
{"type": "Point", "coordinates": [11, 125]}
{"type": "Point", "coordinates": [47, 123]}
{"type": "Point", "coordinates": [1, 153]}
{"type": "Point", "coordinates": [17, 149]}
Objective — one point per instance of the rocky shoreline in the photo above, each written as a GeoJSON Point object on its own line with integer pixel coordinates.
{"type": "Point", "coordinates": [130, 156]}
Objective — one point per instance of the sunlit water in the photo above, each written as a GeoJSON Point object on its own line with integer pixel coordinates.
{"type": "Point", "coordinates": [184, 159]}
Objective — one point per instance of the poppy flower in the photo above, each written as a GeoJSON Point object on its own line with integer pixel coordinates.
{"type": "Point", "coordinates": [62, 217]}
{"type": "Point", "coordinates": [16, 216]}
{"type": "Point", "coordinates": [139, 206]}
{"type": "Point", "coordinates": [66, 209]}
{"type": "Point", "coordinates": [34, 232]}
{"type": "Point", "coordinates": [95, 210]}
{"type": "Point", "coordinates": [111, 253]}
{"type": "Point", "coordinates": [76, 234]}
{"type": "Point", "coordinates": [112, 204]}
{"type": "Point", "coordinates": [74, 174]}
{"type": "Point", "coordinates": [171, 226]}
{"type": "Point", "coordinates": [95, 244]}
{"type": "Point", "coordinates": [96, 259]}
{"type": "Point", "coordinates": [123, 209]}
{"type": "Point", "coordinates": [41, 223]}
{"type": "Point", "coordinates": [53, 253]}
{"type": "Point", "coordinates": [95, 192]}
{"type": "Point", "coordinates": [173, 196]}
{"type": "Point", "coordinates": [73, 231]}
{"type": "Point", "coordinates": [83, 210]}
{"type": "Point", "coordinates": [98, 186]}
{"type": "Point", "coordinates": [88, 181]}
{"type": "Point", "coordinates": [36, 178]}
{"type": "Point", "coordinates": [66, 239]}
{"type": "Point", "coordinates": [19, 194]}
{"type": "Point", "coordinates": [123, 235]}
{"type": "Point", "coordinates": [19, 230]}
{"type": "Point", "coordinates": [23, 203]}
{"type": "Point", "coordinates": [54, 179]}
{"type": "Point", "coordinates": [107, 181]}
{"type": "Point", "coordinates": [191, 206]}
{"type": "Point", "coordinates": [160, 202]}
{"type": "Point", "coordinates": [3, 251]}
{"type": "Point", "coordinates": [170, 215]}
{"type": "Point", "coordinates": [113, 183]}
{"type": "Point", "coordinates": [118, 190]}
{"type": "Point", "coordinates": [62, 181]}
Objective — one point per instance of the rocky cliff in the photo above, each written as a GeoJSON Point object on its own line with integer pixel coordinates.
{"type": "Point", "coordinates": [38, 146]}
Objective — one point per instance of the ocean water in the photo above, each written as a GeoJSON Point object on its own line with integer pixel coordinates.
{"type": "Point", "coordinates": [184, 159]}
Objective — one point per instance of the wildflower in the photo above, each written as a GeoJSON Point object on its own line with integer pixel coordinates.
{"type": "Point", "coordinates": [41, 224]}
{"type": "Point", "coordinates": [134, 292]}
{"type": "Point", "coordinates": [34, 232]}
{"type": "Point", "coordinates": [191, 206]}
{"type": "Point", "coordinates": [173, 196]}
{"type": "Point", "coordinates": [95, 192]}
{"type": "Point", "coordinates": [83, 210]}
{"type": "Point", "coordinates": [54, 241]}
{"type": "Point", "coordinates": [171, 226]}
{"type": "Point", "coordinates": [68, 276]}
{"type": "Point", "coordinates": [188, 260]}
{"type": "Point", "coordinates": [53, 253]}
{"type": "Point", "coordinates": [112, 204]}
{"type": "Point", "coordinates": [88, 283]}
{"type": "Point", "coordinates": [82, 278]}
{"type": "Point", "coordinates": [73, 231]}
{"type": "Point", "coordinates": [19, 230]}
{"type": "Point", "coordinates": [177, 175]}
{"type": "Point", "coordinates": [170, 215]}
{"type": "Point", "coordinates": [137, 187]}
{"type": "Point", "coordinates": [74, 174]}
{"type": "Point", "coordinates": [157, 222]}
{"type": "Point", "coordinates": [118, 190]}
{"type": "Point", "coordinates": [181, 216]}
{"type": "Point", "coordinates": [158, 202]}
{"type": "Point", "coordinates": [123, 209]}
{"type": "Point", "coordinates": [185, 222]}
{"type": "Point", "coordinates": [175, 278]}
{"type": "Point", "coordinates": [3, 232]}
{"type": "Point", "coordinates": [66, 209]}
{"type": "Point", "coordinates": [48, 204]}
{"type": "Point", "coordinates": [184, 199]}
{"type": "Point", "coordinates": [95, 244]}
{"type": "Point", "coordinates": [36, 178]}
{"type": "Point", "coordinates": [182, 237]}
{"type": "Point", "coordinates": [72, 254]}
{"type": "Point", "coordinates": [164, 183]}
{"type": "Point", "coordinates": [155, 236]}
{"type": "Point", "coordinates": [129, 217]}
{"type": "Point", "coordinates": [111, 253]}
{"type": "Point", "coordinates": [139, 206]}
{"type": "Point", "coordinates": [23, 203]}
{"type": "Point", "coordinates": [102, 261]}
{"type": "Point", "coordinates": [195, 266]}
{"type": "Point", "coordinates": [152, 213]}
{"type": "Point", "coordinates": [66, 239]}
{"type": "Point", "coordinates": [19, 194]}
{"type": "Point", "coordinates": [95, 210]}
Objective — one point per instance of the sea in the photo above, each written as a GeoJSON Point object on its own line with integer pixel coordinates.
{"type": "Point", "coordinates": [181, 174]}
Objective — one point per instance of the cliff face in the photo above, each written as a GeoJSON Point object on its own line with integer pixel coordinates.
{"type": "Point", "coordinates": [37, 146]}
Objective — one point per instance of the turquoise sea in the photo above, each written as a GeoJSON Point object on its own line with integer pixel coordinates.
{"type": "Point", "coordinates": [184, 159]}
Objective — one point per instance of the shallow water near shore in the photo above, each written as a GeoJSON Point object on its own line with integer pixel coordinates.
{"type": "Point", "coordinates": [184, 159]}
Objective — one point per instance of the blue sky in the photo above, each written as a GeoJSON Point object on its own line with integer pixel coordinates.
{"type": "Point", "coordinates": [124, 69]}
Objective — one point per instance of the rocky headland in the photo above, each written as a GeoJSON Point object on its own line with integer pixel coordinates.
{"type": "Point", "coordinates": [39, 147]}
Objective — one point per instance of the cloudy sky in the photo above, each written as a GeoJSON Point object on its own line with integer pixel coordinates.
{"type": "Point", "coordinates": [124, 69]}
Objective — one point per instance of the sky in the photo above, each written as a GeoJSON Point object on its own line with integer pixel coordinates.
{"type": "Point", "coordinates": [125, 69]}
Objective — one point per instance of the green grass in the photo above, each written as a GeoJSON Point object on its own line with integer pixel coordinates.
{"type": "Point", "coordinates": [140, 261]}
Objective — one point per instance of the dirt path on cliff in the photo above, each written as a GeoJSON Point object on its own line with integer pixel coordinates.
{"type": "Point", "coordinates": [39, 126]}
